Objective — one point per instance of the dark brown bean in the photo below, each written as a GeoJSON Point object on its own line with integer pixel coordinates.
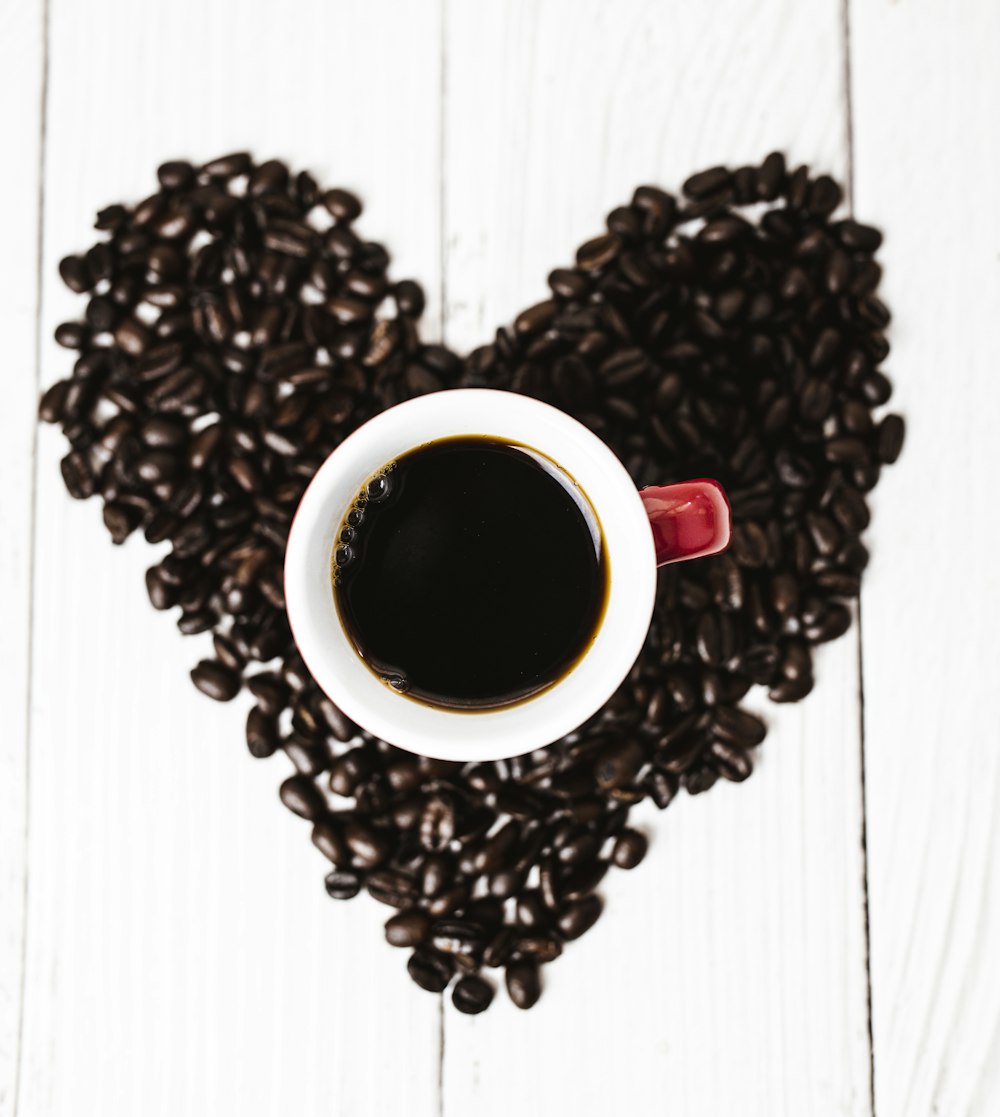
{"type": "Point", "coordinates": [524, 985]}
{"type": "Point", "coordinates": [577, 918]}
{"type": "Point", "coordinates": [890, 438]}
{"type": "Point", "coordinates": [629, 849]}
{"type": "Point", "coordinates": [472, 995]}
{"type": "Point", "coordinates": [408, 928]}
{"type": "Point", "coordinates": [215, 679]}
{"type": "Point", "coordinates": [430, 970]}
{"type": "Point", "coordinates": [708, 182]}
{"type": "Point", "coordinates": [302, 797]}
{"type": "Point", "coordinates": [343, 884]}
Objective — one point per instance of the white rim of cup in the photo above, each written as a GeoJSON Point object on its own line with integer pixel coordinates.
{"type": "Point", "coordinates": [447, 734]}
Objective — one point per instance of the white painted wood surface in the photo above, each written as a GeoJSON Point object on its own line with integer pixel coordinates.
{"type": "Point", "coordinates": [727, 974]}
{"type": "Point", "coordinates": [21, 78]}
{"type": "Point", "coordinates": [931, 602]}
{"type": "Point", "coordinates": [182, 956]}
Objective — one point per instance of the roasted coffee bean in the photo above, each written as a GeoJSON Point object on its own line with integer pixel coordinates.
{"type": "Point", "coordinates": [391, 887]}
{"type": "Point", "coordinates": [430, 970]}
{"type": "Point", "coordinates": [577, 918]}
{"type": "Point", "coordinates": [457, 936]}
{"type": "Point", "coordinates": [341, 204]}
{"type": "Point", "coordinates": [731, 762]}
{"type": "Point", "coordinates": [860, 238]}
{"type": "Point", "coordinates": [329, 840]}
{"type": "Point", "coordinates": [738, 727]}
{"type": "Point", "coordinates": [450, 900]}
{"type": "Point", "coordinates": [771, 177]}
{"type": "Point", "coordinates": [215, 679]}
{"type": "Point", "coordinates": [302, 797]}
{"type": "Point", "coordinates": [262, 733]}
{"type": "Point", "coordinates": [833, 623]}
{"type": "Point", "coordinates": [344, 885]}
{"type": "Point", "coordinates": [472, 994]}
{"type": "Point", "coordinates": [890, 438]}
{"type": "Point", "coordinates": [309, 757]}
{"type": "Point", "coordinates": [437, 823]}
{"type": "Point", "coordinates": [579, 880]}
{"type": "Point", "coordinates": [524, 985]}
{"type": "Point", "coordinates": [618, 764]}
{"type": "Point", "coordinates": [370, 846]}
{"type": "Point", "coordinates": [409, 928]}
{"type": "Point", "coordinates": [270, 691]}
{"type": "Point", "coordinates": [75, 274]}
{"type": "Point", "coordinates": [506, 882]}
{"type": "Point", "coordinates": [629, 849]}
{"type": "Point", "coordinates": [499, 848]}
{"type": "Point", "coordinates": [791, 690]}
{"type": "Point", "coordinates": [598, 253]}
{"type": "Point", "coordinates": [662, 787]}
{"type": "Point", "coordinates": [437, 871]}
{"type": "Point", "coordinates": [708, 182]}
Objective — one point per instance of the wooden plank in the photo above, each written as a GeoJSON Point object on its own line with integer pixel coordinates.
{"type": "Point", "coordinates": [728, 972]}
{"type": "Point", "coordinates": [926, 94]}
{"type": "Point", "coordinates": [183, 955]}
{"type": "Point", "coordinates": [22, 69]}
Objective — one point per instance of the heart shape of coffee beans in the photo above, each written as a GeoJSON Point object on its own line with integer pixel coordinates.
{"type": "Point", "coordinates": [238, 328]}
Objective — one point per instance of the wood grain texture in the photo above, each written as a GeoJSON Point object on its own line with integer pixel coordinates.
{"type": "Point", "coordinates": [183, 955]}
{"type": "Point", "coordinates": [926, 104]}
{"type": "Point", "coordinates": [727, 974]}
{"type": "Point", "coordinates": [22, 55]}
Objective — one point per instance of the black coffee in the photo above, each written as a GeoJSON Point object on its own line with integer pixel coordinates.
{"type": "Point", "coordinates": [470, 573]}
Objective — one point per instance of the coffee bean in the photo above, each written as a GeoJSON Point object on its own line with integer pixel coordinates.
{"type": "Point", "coordinates": [341, 204]}
{"type": "Point", "coordinates": [392, 887]}
{"type": "Point", "coordinates": [472, 994]}
{"type": "Point", "coordinates": [540, 948]}
{"type": "Point", "coordinates": [846, 450]}
{"type": "Point", "coordinates": [215, 679]}
{"type": "Point", "coordinates": [824, 196]}
{"type": "Point", "coordinates": [859, 238]}
{"type": "Point", "coordinates": [618, 764]}
{"type": "Point", "coordinates": [262, 733]}
{"type": "Point", "coordinates": [598, 253]}
{"type": "Point", "coordinates": [302, 797]}
{"type": "Point", "coordinates": [890, 438]}
{"type": "Point", "coordinates": [328, 838]}
{"type": "Point", "coordinates": [708, 182]}
{"type": "Point", "coordinates": [738, 727]}
{"type": "Point", "coordinates": [577, 918]}
{"type": "Point", "coordinates": [369, 845]}
{"type": "Point", "coordinates": [437, 824]}
{"type": "Point", "coordinates": [731, 761]}
{"type": "Point", "coordinates": [75, 274]}
{"type": "Point", "coordinates": [343, 884]}
{"type": "Point", "coordinates": [524, 985]}
{"type": "Point", "coordinates": [430, 970]}
{"type": "Point", "coordinates": [409, 928]}
{"type": "Point", "coordinates": [791, 690]}
{"type": "Point", "coordinates": [629, 849]}
{"type": "Point", "coordinates": [771, 177]}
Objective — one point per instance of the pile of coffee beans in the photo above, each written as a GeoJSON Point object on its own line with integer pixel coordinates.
{"type": "Point", "coordinates": [237, 328]}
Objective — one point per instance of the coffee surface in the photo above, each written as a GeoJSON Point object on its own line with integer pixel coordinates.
{"type": "Point", "coordinates": [469, 574]}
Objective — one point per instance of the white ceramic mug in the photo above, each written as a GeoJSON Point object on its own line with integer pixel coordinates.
{"type": "Point", "coordinates": [641, 530]}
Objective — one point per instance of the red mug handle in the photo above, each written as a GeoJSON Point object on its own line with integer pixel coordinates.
{"type": "Point", "coordinates": [689, 520]}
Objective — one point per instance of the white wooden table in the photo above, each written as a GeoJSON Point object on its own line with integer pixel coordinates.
{"type": "Point", "coordinates": [822, 940]}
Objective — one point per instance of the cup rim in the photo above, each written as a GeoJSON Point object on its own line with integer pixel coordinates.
{"type": "Point", "coordinates": [458, 734]}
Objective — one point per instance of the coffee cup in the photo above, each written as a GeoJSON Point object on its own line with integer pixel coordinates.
{"type": "Point", "coordinates": [631, 532]}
